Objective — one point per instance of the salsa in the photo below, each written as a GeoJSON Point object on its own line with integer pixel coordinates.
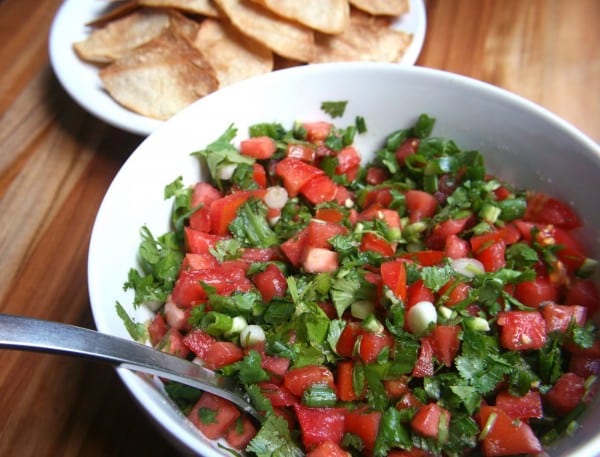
{"type": "Point", "coordinates": [412, 306]}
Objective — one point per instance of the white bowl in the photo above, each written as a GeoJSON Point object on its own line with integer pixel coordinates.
{"type": "Point", "coordinates": [522, 142]}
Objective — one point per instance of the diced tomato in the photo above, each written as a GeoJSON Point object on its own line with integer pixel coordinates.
{"type": "Point", "coordinates": [535, 292]}
{"type": "Point", "coordinates": [199, 342]}
{"type": "Point", "coordinates": [328, 449]}
{"type": "Point", "coordinates": [344, 381]}
{"type": "Point", "coordinates": [510, 233]}
{"type": "Point", "coordinates": [240, 433]}
{"type": "Point", "coordinates": [584, 365]}
{"type": "Point", "coordinates": [198, 242]}
{"type": "Point", "coordinates": [504, 436]}
{"type": "Point", "coordinates": [252, 255]}
{"type": "Point", "coordinates": [584, 292]}
{"type": "Point", "coordinates": [420, 205]}
{"type": "Point", "coordinates": [525, 407]}
{"type": "Point", "coordinates": [445, 343]}
{"type": "Point", "coordinates": [408, 147]}
{"type": "Point", "coordinates": [319, 233]}
{"type": "Point", "coordinates": [176, 316]}
{"type": "Point", "coordinates": [365, 425]}
{"type": "Point", "coordinates": [213, 415]}
{"type": "Point", "coordinates": [348, 162]}
{"type": "Point", "coordinates": [172, 343]}
{"type": "Point", "coordinates": [371, 344]}
{"type": "Point", "coordinates": [381, 198]}
{"type": "Point", "coordinates": [408, 400]}
{"type": "Point", "coordinates": [330, 215]}
{"type": "Point", "coordinates": [224, 210]}
{"type": "Point", "coordinates": [502, 193]}
{"type": "Point", "coordinates": [393, 275]}
{"type": "Point", "coordinates": [277, 366]}
{"type": "Point", "coordinates": [347, 340]}
{"type": "Point", "coordinates": [295, 173]}
{"type": "Point", "coordinates": [317, 131]}
{"type": "Point", "coordinates": [319, 425]}
{"type": "Point", "coordinates": [278, 395]}
{"type": "Point", "coordinates": [417, 292]}
{"type": "Point", "coordinates": [259, 147]}
{"type": "Point", "coordinates": [293, 247]}
{"type": "Point", "coordinates": [297, 380]}
{"type": "Point", "coordinates": [427, 258]}
{"type": "Point", "coordinates": [431, 420]}
{"type": "Point", "coordinates": [319, 189]}
{"type": "Point", "coordinates": [301, 151]}
{"type": "Point", "coordinates": [222, 353]}
{"type": "Point", "coordinates": [559, 317]}
{"type": "Point", "coordinates": [424, 365]}
{"type": "Point", "coordinates": [481, 242]}
{"type": "Point", "coordinates": [454, 292]}
{"type": "Point", "coordinates": [259, 175]}
{"type": "Point", "coordinates": [522, 330]}
{"type": "Point", "coordinates": [566, 394]}
{"type": "Point", "coordinates": [548, 210]}
{"type": "Point", "coordinates": [455, 247]}
{"type": "Point", "coordinates": [571, 253]}
{"type": "Point", "coordinates": [396, 388]}
{"type": "Point", "coordinates": [493, 257]}
{"type": "Point", "coordinates": [270, 282]}
{"type": "Point", "coordinates": [374, 243]}
{"type": "Point", "coordinates": [442, 230]}
{"type": "Point", "coordinates": [320, 260]}
{"type": "Point", "coordinates": [203, 194]}
{"type": "Point", "coordinates": [376, 175]}
{"type": "Point", "coordinates": [203, 261]}
{"type": "Point", "coordinates": [157, 329]}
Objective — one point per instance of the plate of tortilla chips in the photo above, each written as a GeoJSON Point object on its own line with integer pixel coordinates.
{"type": "Point", "coordinates": [135, 63]}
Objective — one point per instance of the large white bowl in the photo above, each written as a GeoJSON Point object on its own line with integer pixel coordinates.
{"type": "Point", "coordinates": [522, 143]}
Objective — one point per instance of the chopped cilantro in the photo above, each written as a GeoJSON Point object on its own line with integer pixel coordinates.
{"type": "Point", "coordinates": [334, 109]}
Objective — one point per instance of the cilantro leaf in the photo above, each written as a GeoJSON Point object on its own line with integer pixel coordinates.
{"type": "Point", "coordinates": [334, 109]}
{"type": "Point", "coordinates": [274, 440]}
{"type": "Point", "coordinates": [137, 330]}
{"type": "Point", "coordinates": [250, 226]}
{"type": "Point", "coordinates": [250, 370]}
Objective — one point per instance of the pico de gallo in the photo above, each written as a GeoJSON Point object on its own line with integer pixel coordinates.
{"type": "Point", "coordinates": [412, 306]}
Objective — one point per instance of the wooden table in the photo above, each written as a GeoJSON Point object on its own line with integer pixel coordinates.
{"type": "Point", "coordinates": [56, 162]}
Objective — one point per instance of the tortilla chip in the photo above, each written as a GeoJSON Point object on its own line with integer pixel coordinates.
{"type": "Point", "coordinates": [203, 7]}
{"type": "Point", "coordinates": [283, 37]}
{"type": "Point", "coordinates": [382, 7]}
{"type": "Point", "coordinates": [233, 56]}
{"type": "Point", "coordinates": [160, 78]}
{"type": "Point", "coordinates": [327, 16]}
{"type": "Point", "coordinates": [363, 40]}
{"type": "Point", "coordinates": [118, 37]}
{"type": "Point", "coordinates": [121, 8]}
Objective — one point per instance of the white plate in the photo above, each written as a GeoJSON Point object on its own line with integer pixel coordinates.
{"type": "Point", "coordinates": [81, 79]}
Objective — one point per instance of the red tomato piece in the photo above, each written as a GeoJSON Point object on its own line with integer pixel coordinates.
{"type": "Point", "coordinates": [548, 210]}
{"type": "Point", "coordinates": [222, 353]}
{"type": "Point", "coordinates": [424, 365]}
{"type": "Point", "coordinates": [571, 253]}
{"type": "Point", "coordinates": [317, 131]}
{"type": "Point", "coordinates": [328, 449]}
{"type": "Point", "coordinates": [526, 407]}
{"type": "Point", "coordinates": [377, 211]}
{"type": "Point", "coordinates": [199, 342]}
{"type": "Point", "coordinates": [320, 260]}
{"type": "Point", "coordinates": [240, 433]}
{"type": "Point", "coordinates": [381, 197]}
{"type": "Point", "coordinates": [567, 393]}
{"type": "Point", "coordinates": [295, 173]}
{"type": "Point", "coordinates": [584, 292]}
{"type": "Point", "coordinates": [365, 425]}
{"type": "Point", "coordinates": [203, 194]}
{"type": "Point", "coordinates": [301, 151]}
{"type": "Point", "coordinates": [259, 175]}
{"type": "Point", "coordinates": [279, 396]}
{"type": "Point", "coordinates": [277, 366]}
{"type": "Point", "coordinates": [213, 415]}
{"type": "Point", "coordinates": [259, 147]}
{"type": "Point", "coordinates": [455, 247]}
{"type": "Point", "coordinates": [224, 210]}
{"type": "Point", "coordinates": [420, 205]}
{"type": "Point", "coordinates": [417, 292]}
{"type": "Point", "coordinates": [348, 162]}
{"type": "Point", "coordinates": [293, 247]}
{"type": "Point", "coordinates": [319, 233]}
{"type": "Point", "coordinates": [157, 329]}
{"type": "Point", "coordinates": [193, 261]}
{"type": "Point", "coordinates": [454, 292]}
{"type": "Point", "coordinates": [408, 147]}
{"type": "Point", "coordinates": [442, 230]}
{"type": "Point", "coordinates": [270, 282]}
{"type": "Point", "coordinates": [424, 258]}
{"type": "Point", "coordinates": [319, 425]}
{"type": "Point", "coordinates": [559, 317]}
{"type": "Point", "coordinates": [319, 189]}
{"type": "Point", "coordinates": [376, 175]}
{"type": "Point", "coordinates": [344, 382]}
{"type": "Point", "coordinates": [198, 242]}
{"type": "Point", "coordinates": [371, 344]}
{"type": "Point", "coordinates": [373, 243]}
{"type": "Point", "coordinates": [430, 420]}
{"type": "Point", "coordinates": [330, 215]}
{"type": "Point", "coordinates": [297, 380]}
{"type": "Point", "coordinates": [504, 436]}
{"type": "Point", "coordinates": [584, 365]}
{"type": "Point", "coordinates": [445, 343]}
{"type": "Point", "coordinates": [393, 275]}
{"type": "Point", "coordinates": [347, 340]}
{"type": "Point", "coordinates": [493, 257]}
{"type": "Point", "coordinates": [522, 330]}
{"type": "Point", "coordinates": [534, 293]}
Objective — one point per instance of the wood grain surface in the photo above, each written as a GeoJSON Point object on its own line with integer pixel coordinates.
{"type": "Point", "coordinates": [56, 162]}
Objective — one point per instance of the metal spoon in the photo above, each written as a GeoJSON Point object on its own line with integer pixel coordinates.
{"type": "Point", "coordinates": [25, 333]}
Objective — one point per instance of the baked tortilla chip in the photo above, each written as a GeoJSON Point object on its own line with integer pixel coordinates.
{"type": "Point", "coordinates": [286, 38]}
{"type": "Point", "coordinates": [160, 78]}
{"type": "Point", "coordinates": [233, 56]}
{"type": "Point", "coordinates": [327, 16]}
{"type": "Point", "coordinates": [382, 7]}
{"type": "Point", "coordinates": [118, 37]}
{"type": "Point", "coordinates": [203, 7]}
{"type": "Point", "coordinates": [363, 40]}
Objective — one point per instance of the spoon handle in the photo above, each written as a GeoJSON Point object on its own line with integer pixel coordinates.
{"type": "Point", "coordinates": [25, 333]}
